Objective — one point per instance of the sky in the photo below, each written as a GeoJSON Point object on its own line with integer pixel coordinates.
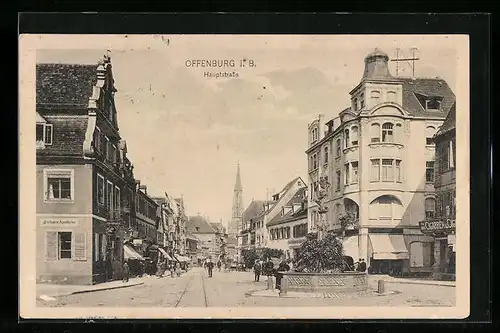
{"type": "Point", "coordinates": [186, 133]}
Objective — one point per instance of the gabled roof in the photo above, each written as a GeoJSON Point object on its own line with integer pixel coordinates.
{"type": "Point", "coordinates": [217, 226]}
{"type": "Point", "coordinates": [297, 198]}
{"type": "Point", "coordinates": [254, 209]}
{"type": "Point", "coordinates": [449, 123]}
{"type": "Point", "coordinates": [64, 85]}
{"type": "Point", "coordinates": [198, 225]}
{"type": "Point", "coordinates": [430, 87]}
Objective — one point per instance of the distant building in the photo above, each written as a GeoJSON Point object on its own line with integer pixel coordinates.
{"type": "Point", "coordinates": [85, 184]}
{"type": "Point", "coordinates": [203, 230]}
{"type": "Point", "coordinates": [246, 234]}
{"type": "Point", "coordinates": [378, 157]}
{"type": "Point", "coordinates": [288, 229]}
{"type": "Point", "coordinates": [441, 214]}
{"type": "Point", "coordinates": [148, 218]}
{"type": "Point", "coordinates": [181, 229]}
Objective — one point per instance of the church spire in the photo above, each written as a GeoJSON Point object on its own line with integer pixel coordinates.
{"type": "Point", "coordinates": [237, 185]}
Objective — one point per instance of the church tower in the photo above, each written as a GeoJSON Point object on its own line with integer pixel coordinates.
{"type": "Point", "coordinates": [237, 214]}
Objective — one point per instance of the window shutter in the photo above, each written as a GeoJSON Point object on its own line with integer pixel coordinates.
{"type": "Point", "coordinates": [80, 248]}
{"type": "Point", "coordinates": [51, 245]}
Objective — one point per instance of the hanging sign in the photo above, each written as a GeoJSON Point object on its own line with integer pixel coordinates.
{"type": "Point", "coordinates": [442, 226]}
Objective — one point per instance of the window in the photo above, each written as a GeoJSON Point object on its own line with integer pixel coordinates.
{"type": "Point", "coordinates": [387, 170]}
{"type": "Point", "coordinates": [338, 179]}
{"type": "Point", "coordinates": [375, 174]}
{"type": "Point", "coordinates": [338, 147]}
{"type": "Point", "coordinates": [375, 133]}
{"type": "Point", "coordinates": [399, 175]}
{"type": "Point", "coordinates": [387, 133]}
{"type": "Point", "coordinates": [100, 189]}
{"type": "Point", "coordinates": [355, 104]}
{"type": "Point", "coordinates": [314, 134]}
{"type": "Point", "coordinates": [362, 101]}
{"type": "Point", "coordinates": [346, 177]}
{"type": "Point", "coordinates": [97, 139]}
{"type": "Point", "coordinates": [117, 198]}
{"type": "Point", "coordinates": [429, 134]}
{"type": "Point", "coordinates": [346, 139]}
{"type": "Point", "coordinates": [64, 242]}
{"type": "Point", "coordinates": [315, 161]}
{"type": "Point", "coordinates": [430, 208]}
{"type": "Point", "coordinates": [433, 103]}
{"type": "Point", "coordinates": [59, 185]}
{"type": "Point", "coordinates": [109, 192]}
{"type": "Point", "coordinates": [311, 162]}
{"type": "Point", "coordinates": [398, 133]}
{"type": "Point", "coordinates": [326, 154]}
{"type": "Point", "coordinates": [447, 156]}
{"type": "Point", "coordinates": [354, 139]}
{"type": "Point", "coordinates": [354, 176]}
{"type": "Point", "coordinates": [44, 133]}
{"type": "Point", "coordinates": [429, 172]}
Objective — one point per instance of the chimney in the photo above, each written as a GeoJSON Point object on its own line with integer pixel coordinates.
{"type": "Point", "coordinates": [376, 66]}
{"type": "Point", "coordinates": [321, 126]}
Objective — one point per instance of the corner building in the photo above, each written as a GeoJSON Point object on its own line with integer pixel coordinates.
{"type": "Point", "coordinates": [378, 157]}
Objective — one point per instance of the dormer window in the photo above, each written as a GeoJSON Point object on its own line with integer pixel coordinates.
{"type": "Point", "coordinates": [429, 102]}
{"type": "Point", "coordinates": [44, 134]}
{"type": "Point", "coordinates": [314, 135]}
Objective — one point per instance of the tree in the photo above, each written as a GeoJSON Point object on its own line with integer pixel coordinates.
{"type": "Point", "coordinates": [320, 255]}
{"type": "Point", "coordinates": [270, 253]}
{"type": "Point", "coordinates": [249, 257]}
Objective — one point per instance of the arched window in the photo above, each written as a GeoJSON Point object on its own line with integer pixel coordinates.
{"type": "Point", "coordinates": [429, 134]}
{"type": "Point", "coordinates": [430, 208]}
{"type": "Point", "coordinates": [387, 133]}
{"type": "Point", "coordinates": [386, 207]}
{"type": "Point", "coordinates": [326, 154]}
{"type": "Point", "coordinates": [375, 133]}
{"type": "Point", "coordinates": [354, 136]}
{"type": "Point", "coordinates": [375, 95]}
{"type": "Point", "coordinates": [346, 132]}
{"type": "Point", "coordinates": [338, 147]}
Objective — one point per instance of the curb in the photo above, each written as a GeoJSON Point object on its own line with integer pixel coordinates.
{"type": "Point", "coordinates": [420, 283]}
{"type": "Point", "coordinates": [105, 288]}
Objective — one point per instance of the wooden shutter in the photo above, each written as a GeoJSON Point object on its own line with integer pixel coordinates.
{"type": "Point", "coordinates": [51, 245]}
{"type": "Point", "coordinates": [80, 246]}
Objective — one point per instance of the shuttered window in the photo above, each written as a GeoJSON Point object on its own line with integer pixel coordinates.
{"type": "Point", "coordinates": [51, 245]}
{"type": "Point", "coordinates": [79, 248]}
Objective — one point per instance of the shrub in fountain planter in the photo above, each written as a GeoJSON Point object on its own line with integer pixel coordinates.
{"type": "Point", "coordinates": [320, 267]}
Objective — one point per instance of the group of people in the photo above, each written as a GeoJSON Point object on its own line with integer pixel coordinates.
{"type": "Point", "coordinates": [267, 268]}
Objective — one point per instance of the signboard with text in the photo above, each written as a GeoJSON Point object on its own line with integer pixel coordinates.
{"type": "Point", "coordinates": [58, 222]}
{"type": "Point", "coordinates": [438, 226]}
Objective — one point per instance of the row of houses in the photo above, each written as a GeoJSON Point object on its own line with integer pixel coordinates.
{"type": "Point", "coordinates": [91, 212]}
{"type": "Point", "coordinates": [386, 162]}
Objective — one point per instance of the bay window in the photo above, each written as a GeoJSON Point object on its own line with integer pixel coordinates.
{"type": "Point", "coordinates": [387, 132]}
{"type": "Point", "coordinates": [375, 133]}
{"type": "Point", "coordinates": [354, 139]}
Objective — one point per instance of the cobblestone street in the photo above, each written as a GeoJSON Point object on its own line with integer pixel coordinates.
{"type": "Point", "coordinates": [230, 289]}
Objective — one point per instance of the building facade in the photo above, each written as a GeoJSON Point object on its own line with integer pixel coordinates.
{"type": "Point", "coordinates": [203, 230]}
{"type": "Point", "coordinates": [441, 214]}
{"type": "Point", "coordinates": [246, 230]}
{"type": "Point", "coordinates": [378, 157]}
{"type": "Point", "coordinates": [287, 230]}
{"type": "Point", "coordinates": [85, 183]}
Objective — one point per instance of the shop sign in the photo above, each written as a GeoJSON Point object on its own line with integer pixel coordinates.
{"type": "Point", "coordinates": [58, 222]}
{"type": "Point", "coordinates": [445, 226]}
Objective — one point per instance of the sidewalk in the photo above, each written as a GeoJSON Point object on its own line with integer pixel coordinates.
{"type": "Point", "coordinates": [58, 290]}
{"type": "Point", "coordinates": [391, 279]}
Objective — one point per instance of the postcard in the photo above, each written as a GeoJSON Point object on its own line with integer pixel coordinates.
{"type": "Point", "coordinates": [244, 176]}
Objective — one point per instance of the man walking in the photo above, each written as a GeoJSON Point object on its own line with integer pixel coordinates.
{"type": "Point", "coordinates": [210, 267]}
{"type": "Point", "coordinates": [257, 268]}
{"type": "Point", "coordinates": [126, 272]}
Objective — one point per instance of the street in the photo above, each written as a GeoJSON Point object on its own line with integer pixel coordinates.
{"type": "Point", "coordinates": [234, 289]}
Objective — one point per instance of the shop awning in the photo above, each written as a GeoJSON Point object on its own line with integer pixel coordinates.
{"type": "Point", "coordinates": [130, 253]}
{"type": "Point", "coordinates": [350, 245]}
{"type": "Point", "coordinates": [165, 254]}
{"type": "Point", "coordinates": [182, 258]}
{"type": "Point", "coordinates": [388, 247]}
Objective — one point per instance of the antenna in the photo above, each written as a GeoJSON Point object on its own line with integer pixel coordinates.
{"type": "Point", "coordinates": [410, 61]}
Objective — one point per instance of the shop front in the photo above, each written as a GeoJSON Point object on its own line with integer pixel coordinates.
{"type": "Point", "coordinates": [388, 253]}
{"type": "Point", "coordinates": [443, 231]}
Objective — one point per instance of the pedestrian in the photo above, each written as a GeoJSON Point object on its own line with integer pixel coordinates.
{"type": "Point", "coordinates": [178, 269]}
{"type": "Point", "coordinates": [362, 266]}
{"type": "Point", "coordinates": [172, 269]}
{"type": "Point", "coordinates": [126, 272]}
{"type": "Point", "coordinates": [210, 267]}
{"type": "Point", "coordinates": [257, 268]}
{"type": "Point", "coordinates": [219, 265]}
{"type": "Point", "coordinates": [283, 267]}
